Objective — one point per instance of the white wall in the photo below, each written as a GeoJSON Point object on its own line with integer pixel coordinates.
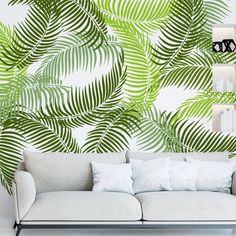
{"type": "Point", "coordinates": [9, 15]}
{"type": "Point", "coordinates": [231, 19]}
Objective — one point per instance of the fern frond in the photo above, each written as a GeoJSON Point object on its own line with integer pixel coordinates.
{"type": "Point", "coordinates": [9, 78]}
{"type": "Point", "coordinates": [32, 38]}
{"type": "Point", "coordinates": [84, 17]}
{"type": "Point", "coordinates": [216, 12]}
{"type": "Point", "coordinates": [143, 16]}
{"type": "Point", "coordinates": [44, 134]}
{"type": "Point", "coordinates": [201, 105]}
{"type": "Point", "coordinates": [180, 34]}
{"type": "Point", "coordinates": [142, 84]}
{"type": "Point", "coordinates": [11, 147]}
{"type": "Point", "coordinates": [30, 93]}
{"type": "Point", "coordinates": [112, 133]}
{"type": "Point", "coordinates": [163, 132]}
{"type": "Point", "coordinates": [88, 105]}
{"type": "Point", "coordinates": [194, 72]}
{"type": "Point", "coordinates": [71, 53]}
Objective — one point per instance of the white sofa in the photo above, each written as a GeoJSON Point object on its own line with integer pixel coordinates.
{"type": "Point", "coordinates": [53, 190]}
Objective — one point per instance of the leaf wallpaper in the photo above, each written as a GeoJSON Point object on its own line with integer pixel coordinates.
{"type": "Point", "coordinates": [148, 45]}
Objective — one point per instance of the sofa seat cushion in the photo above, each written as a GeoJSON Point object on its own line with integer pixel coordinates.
{"type": "Point", "coordinates": [84, 206]}
{"type": "Point", "coordinates": [187, 206]}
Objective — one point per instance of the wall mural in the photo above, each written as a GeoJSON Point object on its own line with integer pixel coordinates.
{"type": "Point", "coordinates": [62, 37]}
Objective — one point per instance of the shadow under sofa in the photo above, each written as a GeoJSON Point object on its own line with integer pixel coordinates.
{"type": "Point", "coordinates": [54, 190]}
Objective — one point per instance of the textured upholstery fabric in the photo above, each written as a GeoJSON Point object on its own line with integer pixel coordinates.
{"type": "Point", "coordinates": [84, 206]}
{"type": "Point", "coordinates": [21, 166]}
{"type": "Point", "coordinates": [65, 171]}
{"type": "Point", "coordinates": [187, 206]}
{"type": "Point", "coordinates": [213, 176]}
{"type": "Point", "coordinates": [211, 156]}
{"type": "Point", "coordinates": [150, 175]}
{"type": "Point", "coordinates": [183, 175]}
{"type": "Point", "coordinates": [24, 192]}
{"type": "Point", "coordinates": [234, 184]}
{"type": "Point", "coordinates": [112, 178]}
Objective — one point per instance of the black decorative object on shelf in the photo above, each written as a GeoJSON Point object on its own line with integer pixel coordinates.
{"type": "Point", "coordinates": [227, 45]}
{"type": "Point", "coordinates": [217, 47]}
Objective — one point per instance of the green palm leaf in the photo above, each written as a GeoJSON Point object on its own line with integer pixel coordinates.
{"type": "Point", "coordinates": [112, 133]}
{"type": "Point", "coordinates": [8, 77]}
{"type": "Point", "coordinates": [194, 72]}
{"type": "Point", "coordinates": [144, 16]}
{"type": "Point", "coordinates": [33, 38]}
{"type": "Point", "coordinates": [44, 134]}
{"type": "Point", "coordinates": [29, 93]}
{"type": "Point", "coordinates": [215, 14]}
{"type": "Point", "coordinates": [227, 58]}
{"type": "Point", "coordinates": [6, 34]}
{"type": "Point", "coordinates": [88, 105]}
{"type": "Point", "coordinates": [83, 17]}
{"type": "Point", "coordinates": [39, 90]}
{"type": "Point", "coordinates": [162, 132]}
{"type": "Point", "coordinates": [30, 2]}
{"type": "Point", "coordinates": [180, 35]}
{"type": "Point", "coordinates": [39, 3]}
{"type": "Point", "coordinates": [11, 146]}
{"type": "Point", "coordinates": [201, 105]}
{"type": "Point", "coordinates": [70, 53]}
{"type": "Point", "coordinates": [142, 74]}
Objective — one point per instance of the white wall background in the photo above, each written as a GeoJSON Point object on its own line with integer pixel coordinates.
{"type": "Point", "coordinates": [11, 15]}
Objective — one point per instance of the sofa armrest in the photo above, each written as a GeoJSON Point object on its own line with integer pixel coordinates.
{"type": "Point", "coordinates": [24, 193]}
{"type": "Point", "coordinates": [21, 166]}
{"type": "Point", "coordinates": [234, 183]}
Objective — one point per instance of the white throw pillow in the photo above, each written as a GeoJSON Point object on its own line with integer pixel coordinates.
{"type": "Point", "coordinates": [233, 161]}
{"type": "Point", "coordinates": [151, 175]}
{"type": "Point", "coordinates": [213, 175]}
{"type": "Point", "coordinates": [183, 175]}
{"type": "Point", "coordinates": [112, 178]}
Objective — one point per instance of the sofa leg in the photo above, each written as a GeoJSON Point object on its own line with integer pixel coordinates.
{"type": "Point", "coordinates": [18, 230]}
{"type": "Point", "coordinates": [15, 224]}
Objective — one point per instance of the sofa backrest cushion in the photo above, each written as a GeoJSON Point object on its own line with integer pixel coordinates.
{"type": "Point", "coordinates": [211, 156]}
{"type": "Point", "coordinates": [66, 171]}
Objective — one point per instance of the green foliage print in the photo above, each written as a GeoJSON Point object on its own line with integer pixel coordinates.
{"type": "Point", "coordinates": [146, 45]}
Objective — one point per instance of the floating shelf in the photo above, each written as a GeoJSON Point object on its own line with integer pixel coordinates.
{"type": "Point", "coordinates": [224, 31]}
{"type": "Point", "coordinates": [224, 77]}
{"type": "Point", "coordinates": [229, 120]}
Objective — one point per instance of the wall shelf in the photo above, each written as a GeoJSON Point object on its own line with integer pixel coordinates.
{"type": "Point", "coordinates": [224, 122]}
{"type": "Point", "coordinates": [224, 77]}
{"type": "Point", "coordinates": [221, 32]}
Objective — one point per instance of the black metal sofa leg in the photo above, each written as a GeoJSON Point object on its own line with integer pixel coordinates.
{"type": "Point", "coordinates": [15, 224]}
{"type": "Point", "coordinates": [18, 230]}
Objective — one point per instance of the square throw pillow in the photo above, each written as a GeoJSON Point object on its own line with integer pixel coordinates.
{"type": "Point", "coordinates": [183, 175]}
{"type": "Point", "coordinates": [214, 176]}
{"type": "Point", "coordinates": [112, 178]}
{"type": "Point", "coordinates": [151, 175]}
